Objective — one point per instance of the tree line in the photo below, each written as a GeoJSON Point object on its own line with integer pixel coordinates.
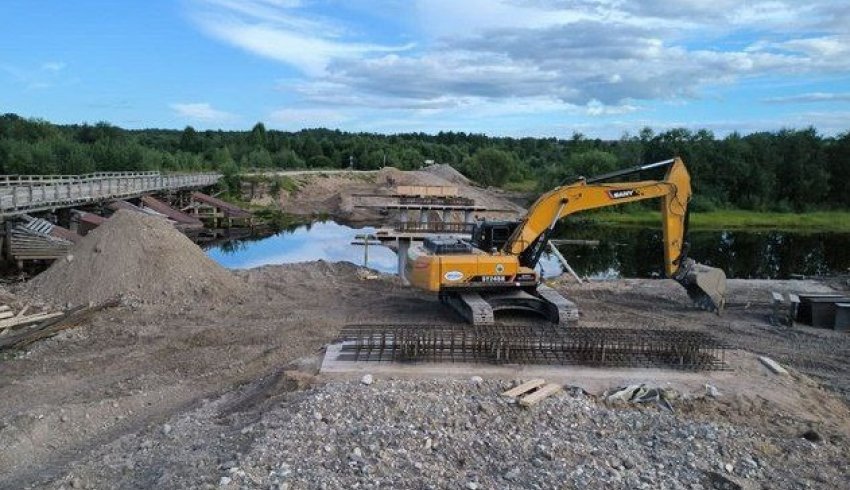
{"type": "Point", "coordinates": [787, 170]}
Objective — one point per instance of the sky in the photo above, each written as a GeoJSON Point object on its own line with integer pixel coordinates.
{"type": "Point", "coordinates": [501, 67]}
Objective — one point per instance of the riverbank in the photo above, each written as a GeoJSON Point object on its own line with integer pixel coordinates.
{"type": "Point", "coordinates": [835, 221]}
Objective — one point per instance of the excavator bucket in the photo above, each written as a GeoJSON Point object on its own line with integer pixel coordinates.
{"type": "Point", "coordinates": [705, 285]}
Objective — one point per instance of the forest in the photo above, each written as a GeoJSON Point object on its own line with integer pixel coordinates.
{"type": "Point", "coordinates": [787, 170]}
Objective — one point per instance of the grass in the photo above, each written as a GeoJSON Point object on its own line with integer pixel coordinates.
{"type": "Point", "coordinates": [837, 221]}
{"type": "Point", "coordinates": [529, 185]}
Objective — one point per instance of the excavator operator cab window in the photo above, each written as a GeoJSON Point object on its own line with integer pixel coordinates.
{"type": "Point", "coordinates": [492, 235]}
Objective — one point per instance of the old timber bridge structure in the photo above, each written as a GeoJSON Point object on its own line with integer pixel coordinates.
{"type": "Point", "coordinates": [24, 194]}
{"type": "Point", "coordinates": [41, 215]}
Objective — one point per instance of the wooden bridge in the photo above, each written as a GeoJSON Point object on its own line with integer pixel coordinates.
{"type": "Point", "coordinates": [22, 194]}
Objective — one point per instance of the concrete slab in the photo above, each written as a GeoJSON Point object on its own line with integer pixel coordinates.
{"type": "Point", "coordinates": [590, 379]}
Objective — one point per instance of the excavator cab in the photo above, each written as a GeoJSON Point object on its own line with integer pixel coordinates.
{"type": "Point", "coordinates": [492, 235]}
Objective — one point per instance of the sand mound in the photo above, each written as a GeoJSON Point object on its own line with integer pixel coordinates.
{"type": "Point", "coordinates": [448, 173]}
{"type": "Point", "coordinates": [138, 258]}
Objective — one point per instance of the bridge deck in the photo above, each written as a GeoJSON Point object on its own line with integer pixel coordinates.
{"type": "Point", "coordinates": [21, 194]}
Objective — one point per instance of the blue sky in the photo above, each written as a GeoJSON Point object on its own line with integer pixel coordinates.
{"type": "Point", "coordinates": [502, 67]}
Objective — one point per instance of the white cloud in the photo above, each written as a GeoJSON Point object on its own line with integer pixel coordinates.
{"type": "Point", "coordinates": [202, 111]}
{"type": "Point", "coordinates": [38, 77]}
{"type": "Point", "coordinates": [505, 58]}
{"type": "Point", "coordinates": [270, 29]}
{"type": "Point", "coordinates": [810, 97]}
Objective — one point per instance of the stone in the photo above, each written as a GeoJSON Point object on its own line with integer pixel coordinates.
{"type": "Point", "coordinates": [712, 391]}
{"type": "Point", "coordinates": [729, 468]}
{"type": "Point", "coordinates": [476, 380]}
{"type": "Point", "coordinates": [317, 416]}
{"type": "Point", "coordinates": [224, 481]}
{"type": "Point", "coordinates": [471, 485]}
{"type": "Point", "coordinates": [811, 435]}
{"type": "Point", "coordinates": [367, 379]}
{"type": "Point", "coordinates": [76, 483]}
{"type": "Point", "coordinates": [166, 429]}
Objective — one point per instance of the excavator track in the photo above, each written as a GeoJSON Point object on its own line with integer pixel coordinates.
{"type": "Point", "coordinates": [471, 306]}
{"type": "Point", "coordinates": [479, 309]}
{"type": "Point", "coordinates": [567, 310]}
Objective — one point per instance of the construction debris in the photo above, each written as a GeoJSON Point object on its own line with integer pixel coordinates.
{"type": "Point", "coordinates": [532, 392]}
{"type": "Point", "coordinates": [524, 388]}
{"type": "Point", "coordinates": [535, 397]}
{"type": "Point", "coordinates": [641, 393]}
{"type": "Point", "coordinates": [49, 325]}
{"type": "Point", "coordinates": [774, 366]}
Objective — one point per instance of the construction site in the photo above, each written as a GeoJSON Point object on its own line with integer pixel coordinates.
{"type": "Point", "coordinates": [136, 361]}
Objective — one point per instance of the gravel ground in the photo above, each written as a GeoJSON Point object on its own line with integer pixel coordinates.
{"type": "Point", "coordinates": [461, 434]}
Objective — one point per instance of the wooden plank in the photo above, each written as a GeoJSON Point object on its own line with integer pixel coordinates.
{"type": "Point", "coordinates": [772, 365]}
{"type": "Point", "coordinates": [4, 308]}
{"type": "Point", "coordinates": [6, 314]}
{"type": "Point", "coordinates": [23, 311]}
{"type": "Point", "coordinates": [51, 327]}
{"type": "Point", "coordinates": [535, 398]}
{"type": "Point", "coordinates": [38, 317]}
{"type": "Point", "coordinates": [524, 388]}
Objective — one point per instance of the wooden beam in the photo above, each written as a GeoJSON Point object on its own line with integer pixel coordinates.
{"type": "Point", "coordinates": [524, 388]}
{"type": "Point", "coordinates": [537, 396]}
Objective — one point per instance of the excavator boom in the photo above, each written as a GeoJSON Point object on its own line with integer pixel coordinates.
{"type": "Point", "coordinates": [705, 285]}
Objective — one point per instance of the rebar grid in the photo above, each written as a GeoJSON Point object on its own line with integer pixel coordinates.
{"type": "Point", "coordinates": [533, 344]}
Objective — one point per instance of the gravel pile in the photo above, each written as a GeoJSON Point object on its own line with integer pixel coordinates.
{"type": "Point", "coordinates": [463, 435]}
{"type": "Point", "coordinates": [139, 258]}
{"type": "Point", "coordinates": [449, 173]}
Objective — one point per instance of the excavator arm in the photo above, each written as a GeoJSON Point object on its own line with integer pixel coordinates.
{"type": "Point", "coordinates": [705, 285]}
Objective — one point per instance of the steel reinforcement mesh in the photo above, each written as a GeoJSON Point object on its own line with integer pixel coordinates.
{"type": "Point", "coordinates": [533, 344]}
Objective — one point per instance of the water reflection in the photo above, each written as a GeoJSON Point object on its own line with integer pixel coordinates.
{"type": "Point", "coordinates": [317, 241]}
{"type": "Point", "coordinates": [635, 252]}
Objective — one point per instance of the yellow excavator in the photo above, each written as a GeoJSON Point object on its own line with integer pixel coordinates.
{"type": "Point", "coordinates": [495, 270]}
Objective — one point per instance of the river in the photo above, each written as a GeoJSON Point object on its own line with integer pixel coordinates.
{"type": "Point", "coordinates": [621, 252]}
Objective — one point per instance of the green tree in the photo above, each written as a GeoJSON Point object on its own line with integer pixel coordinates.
{"type": "Point", "coordinates": [258, 135]}
{"type": "Point", "coordinates": [491, 166]}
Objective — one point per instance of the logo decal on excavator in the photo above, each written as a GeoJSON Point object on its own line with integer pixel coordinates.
{"type": "Point", "coordinates": [453, 276]}
{"type": "Point", "coordinates": [500, 268]}
{"type": "Point", "coordinates": [622, 193]}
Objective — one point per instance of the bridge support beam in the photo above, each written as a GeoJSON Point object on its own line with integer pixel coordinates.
{"type": "Point", "coordinates": [403, 247]}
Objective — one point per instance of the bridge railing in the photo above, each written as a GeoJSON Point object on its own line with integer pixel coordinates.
{"type": "Point", "coordinates": [28, 193]}
{"type": "Point", "coordinates": [10, 180]}
{"type": "Point", "coordinates": [433, 227]}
